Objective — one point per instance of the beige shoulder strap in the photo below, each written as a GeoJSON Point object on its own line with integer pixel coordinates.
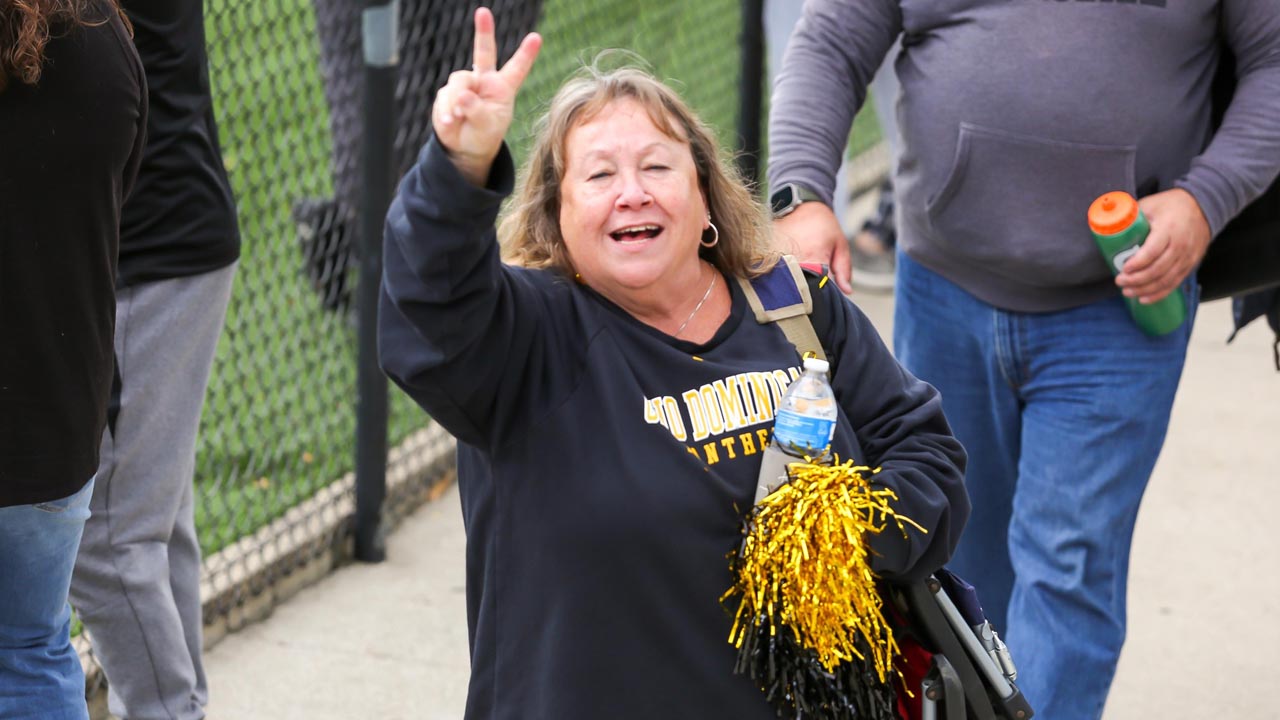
{"type": "Point", "coordinates": [792, 318]}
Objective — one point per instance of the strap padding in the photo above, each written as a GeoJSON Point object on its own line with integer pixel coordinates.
{"type": "Point", "coordinates": [782, 296]}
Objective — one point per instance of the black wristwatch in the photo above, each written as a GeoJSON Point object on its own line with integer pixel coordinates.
{"type": "Point", "coordinates": [788, 197]}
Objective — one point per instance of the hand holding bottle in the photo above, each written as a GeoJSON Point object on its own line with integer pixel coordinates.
{"type": "Point", "coordinates": [473, 111]}
{"type": "Point", "coordinates": [1177, 243]}
{"type": "Point", "coordinates": [1121, 231]}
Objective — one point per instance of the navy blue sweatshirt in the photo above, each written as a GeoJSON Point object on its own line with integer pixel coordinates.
{"type": "Point", "coordinates": [605, 466]}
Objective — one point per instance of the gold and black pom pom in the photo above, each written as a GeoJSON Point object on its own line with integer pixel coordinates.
{"type": "Point", "coordinates": [809, 626]}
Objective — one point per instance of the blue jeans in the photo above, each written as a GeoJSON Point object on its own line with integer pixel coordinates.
{"type": "Point", "coordinates": [1063, 415]}
{"type": "Point", "coordinates": [40, 673]}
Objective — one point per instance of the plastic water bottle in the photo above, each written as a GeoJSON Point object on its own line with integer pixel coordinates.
{"type": "Point", "coordinates": [803, 425]}
{"type": "Point", "coordinates": [1119, 228]}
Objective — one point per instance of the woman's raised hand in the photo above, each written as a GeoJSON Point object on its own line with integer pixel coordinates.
{"type": "Point", "coordinates": [473, 111]}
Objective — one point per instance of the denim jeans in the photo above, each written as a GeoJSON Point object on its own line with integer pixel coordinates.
{"type": "Point", "coordinates": [40, 674]}
{"type": "Point", "coordinates": [1063, 415]}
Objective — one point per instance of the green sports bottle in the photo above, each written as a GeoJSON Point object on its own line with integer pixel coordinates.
{"type": "Point", "coordinates": [1119, 228]}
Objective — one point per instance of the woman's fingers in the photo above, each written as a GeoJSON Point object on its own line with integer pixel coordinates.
{"type": "Point", "coordinates": [484, 55]}
{"type": "Point", "coordinates": [457, 107]}
{"type": "Point", "coordinates": [472, 112]}
{"type": "Point", "coordinates": [518, 67]}
{"type": "Point", "coordinates": [446, 108]}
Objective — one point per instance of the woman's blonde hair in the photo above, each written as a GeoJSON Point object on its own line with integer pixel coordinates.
{"type": "Point", "coordinates": [530, 229]}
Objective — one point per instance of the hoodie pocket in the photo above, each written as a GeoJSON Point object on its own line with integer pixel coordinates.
{"type": "Point", "coordinates": [1017, 204]}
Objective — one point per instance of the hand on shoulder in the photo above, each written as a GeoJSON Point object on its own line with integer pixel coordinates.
{"type": "Point", "coordinates": [812, 233]}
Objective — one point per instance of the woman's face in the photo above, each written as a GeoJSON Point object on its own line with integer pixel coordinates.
{"type": "Point", "coordinates": [631, 211]}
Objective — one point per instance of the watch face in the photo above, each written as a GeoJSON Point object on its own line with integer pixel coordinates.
{"type": "Point", "coordinates": [783, 199]}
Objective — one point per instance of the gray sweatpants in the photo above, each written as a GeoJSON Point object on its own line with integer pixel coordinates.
{"type": "Point", "coordinates": [136, 585]}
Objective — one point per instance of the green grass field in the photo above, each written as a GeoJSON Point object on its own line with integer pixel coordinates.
{"type": "Point", "coordinates": [279, 421]}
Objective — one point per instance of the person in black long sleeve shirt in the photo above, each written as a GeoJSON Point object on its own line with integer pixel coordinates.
{"type": "Point", "coordinates": [136, 585]}
{"type": "Point", "coordinates": [613, 394]}
{"type": "Point", "coordinates": [73, 111]}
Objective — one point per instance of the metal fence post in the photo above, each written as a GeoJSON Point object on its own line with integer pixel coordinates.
{"type": "Point", "coordinates": [379, 24]}
{"type": "Point", "coordinates": [750, 84]}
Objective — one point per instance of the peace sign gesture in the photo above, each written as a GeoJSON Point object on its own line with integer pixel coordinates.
{"type": "Point", "coordinates": [473, 110]}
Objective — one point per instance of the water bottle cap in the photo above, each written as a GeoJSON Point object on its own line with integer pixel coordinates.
{"type": "Point", "coordinates": [816, 365]}
{"type": "Point", "coordinates": [1113, 213]}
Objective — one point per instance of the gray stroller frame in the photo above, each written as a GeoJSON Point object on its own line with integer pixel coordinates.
{"type": "Point", "coordinates": [972, 674]}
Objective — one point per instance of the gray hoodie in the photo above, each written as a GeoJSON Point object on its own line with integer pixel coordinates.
{"type": "Point", "coordinates": [1015, 115]}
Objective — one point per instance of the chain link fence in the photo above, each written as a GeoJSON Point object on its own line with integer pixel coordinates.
{"type": "Point", "coordinates": [274, 483]}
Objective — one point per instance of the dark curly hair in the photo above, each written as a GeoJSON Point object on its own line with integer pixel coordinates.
{"type": "Point", "coordinates": [27, 25]}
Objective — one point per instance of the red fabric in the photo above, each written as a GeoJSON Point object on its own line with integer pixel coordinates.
{"type": "Point", "coordinates": [913, 663]}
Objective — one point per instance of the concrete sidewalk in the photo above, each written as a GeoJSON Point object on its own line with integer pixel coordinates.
{"type": "Point", "coordinates": [390, 640]}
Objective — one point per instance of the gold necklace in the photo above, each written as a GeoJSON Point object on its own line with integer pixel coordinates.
{"type": "Point", "coordinates": [697, 307]}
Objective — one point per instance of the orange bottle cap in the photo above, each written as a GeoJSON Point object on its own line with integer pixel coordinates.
{"type": "Point", "coordinates": [1113, 213]}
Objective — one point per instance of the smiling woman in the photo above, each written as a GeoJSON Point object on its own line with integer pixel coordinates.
{"type": "Point", "coordinates": [599, 505]}
{"type": "Point", "coordinates": [632, 214]}
{"type": "Point", "coordinates": [641, 198]}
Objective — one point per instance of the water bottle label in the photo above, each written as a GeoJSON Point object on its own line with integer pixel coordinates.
{"type": "Point", "coordinates": [803, 433]}
{"type": "Point", "coordinates": [1121, 257]}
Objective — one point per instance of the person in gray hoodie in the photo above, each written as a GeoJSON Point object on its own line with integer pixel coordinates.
{"type": "Point", "coordinates": [1014, 117]}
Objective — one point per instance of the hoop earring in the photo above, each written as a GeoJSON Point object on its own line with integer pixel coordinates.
{"type": "Point", "coordinates": [714, 240]}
